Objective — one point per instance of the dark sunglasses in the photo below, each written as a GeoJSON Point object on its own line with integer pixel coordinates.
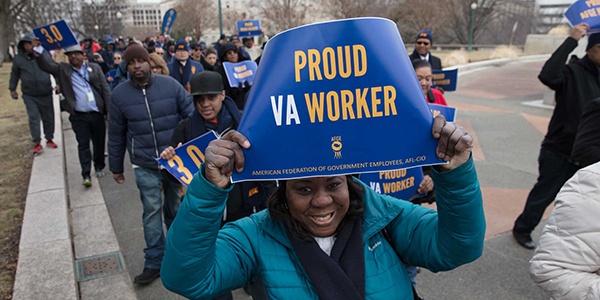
{"type": "Point", "coordinates": [423, 43]}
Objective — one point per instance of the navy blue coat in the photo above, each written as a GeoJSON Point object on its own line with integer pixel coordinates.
{"type": "Point", "coordinates": [142, 120]}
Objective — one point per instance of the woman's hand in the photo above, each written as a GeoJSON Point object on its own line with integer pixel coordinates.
{"type": "Point", "coordinates": [222, 156]}
{"type": "Point", "coordinates": [454, 143]}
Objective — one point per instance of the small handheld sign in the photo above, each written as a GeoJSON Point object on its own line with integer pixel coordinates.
{"type": "Point", "coordinates": [55, 36]}
{"type": "Point", "coordinates": [447, 111]}
{"type": "Point", "coordinates": [248, 28]}
{"type": "Point", "coordinates": [239, 72]}
{"type": "Point", "coordinates": [401, 184]}
{"type": "Point", "coordinates": [188, 158]}
{"type": "Point", "coordinates": [445, 79]}
{"type": "Point", "coordinates": [584, 11]}
{"type": "Point", "coordinates": [326, 103]}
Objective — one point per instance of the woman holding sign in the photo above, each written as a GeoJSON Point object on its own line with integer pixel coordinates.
{"type": "Point", "coordinates": [323, 237]}
{"type": "Point", "coordinates": [232, 54]}
{"type": "Point", "coordinates": [425, 77]}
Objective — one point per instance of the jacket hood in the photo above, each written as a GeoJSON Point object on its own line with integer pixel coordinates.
{"type": "Point", "coordinates": [26, 38]}
{"type": "Point", "coordinates": [230, 46]}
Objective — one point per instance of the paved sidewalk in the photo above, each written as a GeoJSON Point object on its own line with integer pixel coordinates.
{"type": "Point", "coordinates": [79, 243]}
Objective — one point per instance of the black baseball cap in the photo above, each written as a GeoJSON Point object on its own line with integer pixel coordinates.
{"type": "Point", "coordinates": [206, 83]}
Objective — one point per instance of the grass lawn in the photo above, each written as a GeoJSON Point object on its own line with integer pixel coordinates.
{"type": "Point", "coordinates": [16, 160]}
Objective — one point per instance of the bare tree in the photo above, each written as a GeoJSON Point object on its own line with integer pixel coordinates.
{"type": "Point", "coordinates": [510, 24]}
{"type": "Point", "coordinates": [20, 16]}
{"type": "Point", "coordinates": [457, 19]}
{"type": "Point", "coordinates": [279, 15]}
{"type": "Point", "coordinates": [195, 17]}
{"type": "Point", "coordinates": [414, 15]}
{"type": "Point", "coordinates": [8, 10]}
{"type": "Point", "coordinates": [96, 13]}
{"type": "Point", "coordinates": [341, 9]}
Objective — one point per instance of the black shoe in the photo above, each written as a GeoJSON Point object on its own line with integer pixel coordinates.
{"type": "Point", "coordinates": [524, 239]}
{"type": "Point", "coordinates": [147, 276]}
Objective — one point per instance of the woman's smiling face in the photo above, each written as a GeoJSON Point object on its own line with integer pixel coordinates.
{"type": "Point", "coordinates": [319, 203]}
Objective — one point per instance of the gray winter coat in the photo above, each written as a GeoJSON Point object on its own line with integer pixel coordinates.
{"type": "Point", "coordinates": [34, 81]}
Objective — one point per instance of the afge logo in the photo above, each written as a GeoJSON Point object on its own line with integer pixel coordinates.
{"type": "Point", "coordinates": [336, 146]}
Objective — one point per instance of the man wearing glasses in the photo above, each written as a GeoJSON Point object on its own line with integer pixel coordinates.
{"type": "Point", "coordinates": [422, 47]}
{"type": "Point", "coordinates": [183, 67]}
{"type": "Point", "coordinates": [196, 52]}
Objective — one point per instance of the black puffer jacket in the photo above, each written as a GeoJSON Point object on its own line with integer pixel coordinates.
{"type": "Point", "coordinates": [34, 81]}
{"type": "Point", "coordinates": [575, 84]}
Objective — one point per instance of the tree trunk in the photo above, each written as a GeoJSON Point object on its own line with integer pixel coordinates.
{"type": "Point", "coordinates": [7, 32]}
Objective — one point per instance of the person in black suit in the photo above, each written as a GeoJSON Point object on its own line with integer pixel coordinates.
{"type": "Point", "coordinates": [423, 44]}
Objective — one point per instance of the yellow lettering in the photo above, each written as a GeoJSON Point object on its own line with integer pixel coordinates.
{"type": "Point", "coordinates": [315, 107]}
{"type": "Point", "coordinates": [375, 101]}
{"type": "Point", "coordinates": [359, 53]}
{"type": "Point", "coordinates": [361, 103]}
{"type": "Point", "coordinates": [314, 59]}
{"type": "Point", "coordinates": [397, 186]}
{"type": "Point", "coordinates": [195, 154]}
{"type": "Point", "coordinates": [344, 71]}
{"type": "Point", "coordinates": [176, 161]}
{"type": "Point", "coordinates": [347, 101]}
{"type": "Point", "coordinates": [299, 63]}
{"type": "Point", "coordinates": [333, 106]}
{"type": "Point", "coordinates": [389, 100]}
{"type": "Point", "coordinates": [329, 63]}
{"type": "Point", "coordinates": [240, 68]}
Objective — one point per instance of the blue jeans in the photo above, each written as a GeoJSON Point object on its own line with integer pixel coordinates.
{"type": "Point", "coordinates": [152, 185]}
{"type": "Point", "coordinates": [554, 171]}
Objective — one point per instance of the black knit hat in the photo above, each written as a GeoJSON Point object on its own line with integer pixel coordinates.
{"type": "Point", "coordinates": [134, 50]}
{"type": "Point", "coordinates": [593, 40]}
{"type": "Point", "coordinates": [226, 47]}
{"type": "Point", "coordinates": [206, 83]}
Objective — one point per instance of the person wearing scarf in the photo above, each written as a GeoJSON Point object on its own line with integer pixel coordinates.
{"type": "Point", "coordinates": [323, 237]}
{"type": "Point", "coordinates": [183, 67]}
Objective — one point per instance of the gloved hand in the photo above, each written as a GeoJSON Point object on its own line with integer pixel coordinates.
{"type": "Point", "coordinates": [245, 86]}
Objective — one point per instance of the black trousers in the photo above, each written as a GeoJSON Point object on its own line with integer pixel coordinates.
{"type": "Point", "coordinates": [554, 171]}
{"type": "Point", "coordinates": [89, 127]}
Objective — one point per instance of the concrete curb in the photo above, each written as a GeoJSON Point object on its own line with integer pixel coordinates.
{"type": "Point", "coordinates": [45, 267]}
{"type": "Point", "coordinates": [66, 226]}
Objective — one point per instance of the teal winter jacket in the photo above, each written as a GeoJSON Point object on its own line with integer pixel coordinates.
{"type": "Point", "coordinates": [202, 261]}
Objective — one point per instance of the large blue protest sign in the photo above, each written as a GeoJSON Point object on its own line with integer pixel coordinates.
{"type": "Point", "coordinates": [584, 11]}
{"type": "Point", "coordinates": [248, 28]}
{"type": "Point", "coordinates": [402, 184]}
{"type": "Point", "coordinates": [325, 102]}
{"type": "Point", "coordinates": [447, 111]}
{"type": "Point", "coordinates": [445, 79]}
{"type": "Point", "coordinates": [239, 72]}
{"type": "Point", "coordinates": [168, 20]}
{"type": "Point", "coordinates": [55, 36]}
{"type": "Point", "coordinates": [188, 157]}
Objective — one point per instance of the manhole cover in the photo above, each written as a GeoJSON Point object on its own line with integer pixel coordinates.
{"type": "Point", "coordinates": [99, 266]}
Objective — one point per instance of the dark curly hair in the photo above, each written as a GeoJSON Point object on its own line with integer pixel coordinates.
{"type": "Point", "coordinates": [277, 206]}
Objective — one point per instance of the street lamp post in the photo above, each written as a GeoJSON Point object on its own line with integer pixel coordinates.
{"type": "Point", "coordinates": [473, 8]}
{"type": "Point", "coordinates": [220, 19]}
{"type": "Point", "coordinates": [119, 17]}
{"type": "Point", "coordinates": [96, 28]}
